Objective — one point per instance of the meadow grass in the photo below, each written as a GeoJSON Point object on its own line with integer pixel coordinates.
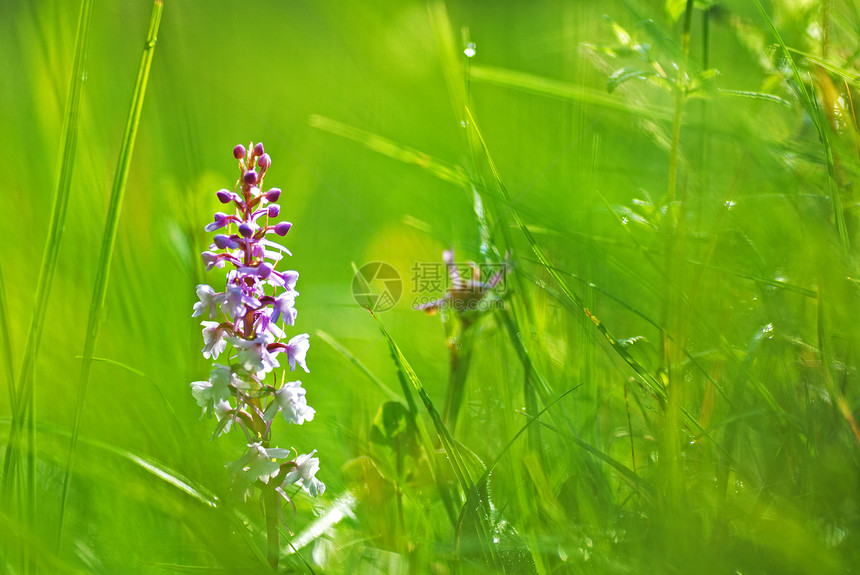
{"type": "Point", "coordinates": [665, 382]}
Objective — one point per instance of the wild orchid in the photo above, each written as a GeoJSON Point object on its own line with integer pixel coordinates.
{"type": "Point", "coordinates": [243, 391]}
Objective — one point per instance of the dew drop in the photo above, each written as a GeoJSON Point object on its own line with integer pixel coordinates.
{"type": "Point", "coordinates": [470, 50]}
{"type": "Point", "coordinates": [730, 204]}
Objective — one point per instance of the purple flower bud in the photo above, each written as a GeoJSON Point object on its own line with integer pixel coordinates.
{"type": "Point", "coordinates": [246, 230]}
{"type": "Point", "coordinates": [239, 152]}
{"type": "Point", "coordinates": [265, 270]}
{"type": "Point", "coordinates": [250, 177]}
{"type": "Point", "coordinates": [223, 242]}
{"type": "Point", "coordinates": [221, 220]}
{"type": "Point", "coordinates": [273, 194]}
{"type": "Point", "coordinates": [264, 162]}
{"type": "Point", "coordinates": [282, 228]}
{"type": "Point", "coordinates": [258, 149]}
{"type": "Point", "coordinates": [224, 196]}
{"type": "Point", "coordinates": [274, 210]}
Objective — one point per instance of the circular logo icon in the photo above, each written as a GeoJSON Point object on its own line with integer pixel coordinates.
{"type": "Point", "coordinates": [377, 285]}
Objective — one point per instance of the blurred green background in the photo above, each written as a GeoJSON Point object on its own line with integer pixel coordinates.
{"type": "Point", "coordinates": [740, 298]}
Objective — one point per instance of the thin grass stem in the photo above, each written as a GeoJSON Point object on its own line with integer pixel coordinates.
{"type": "Point", "coordinates": [108, 243]}
{"type": "Point", "coordinates": [24, 405]}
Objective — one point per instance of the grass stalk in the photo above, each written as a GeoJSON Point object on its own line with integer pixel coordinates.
{"type": "Point", "coordinates": [24, 405]}
{"type": "Point", "coordinates": [455, 457]}
{"type": "Point", "coordinates": [6, 335]}
{"type": "Point", "coordinates": [808, 99]}
{"type": "Point", "coordinates": [675, 303]}
{"type": "Point", "coordinates": [460, 359]}
{"type": "Point", "coordinates": [273, 535]}
{"type": "Point", "coordinates": [108, 242]}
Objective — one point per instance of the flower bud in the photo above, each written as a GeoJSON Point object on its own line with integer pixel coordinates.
{"type": "Point", "coordinates": [239, 152]}
{"type": "Point", "coordinates": [224, 196]}
{"type": "Point", "coordinates": [222, 241]}
{"type": "Point", "coordinates": [250, 177]}
{"type": "Point", "coordinates": [258, 149]}
{"type": "Point", "coordinates": [273, 194]}
{"type": "Point", "coordinates": [264, 270]}
{"type": "Point", "coordinates": [246, 230]}
{"type": "Point", "coordinates": [221, 220]}
{"type": "Point", "coordinates": [264, 162]}
{"type": "Point", "coordinates": [282, 228]}
{"type": "Point", "coordinates": [274, 210]}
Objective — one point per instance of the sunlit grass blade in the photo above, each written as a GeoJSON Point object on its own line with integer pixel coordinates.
{"type": "Point", "coordinates": [357, 363]}
{"type": "Point", "coordinates": [6, 340]}
{"type": "Point", "coordinates": [652, 383]}
{"type": "Point", "coordinates": [340, 508]}
{"type": "Point", "coordinates": [810, 103]}
{"type": "Point", "coordinates": [41, 557]}
{"type": "Point", "coordinates": [440, 169]}
{"type": "Point", "coordinates": [847, 75]}
{"type": "Point", "coordinates": [559, 90]}
{"type": "Point", "coordinates": [633, 309]}
{"type": "Point", "coordinates": [627, 474]}
{"type": "Point", "coordinates": [441, 431]}
{"type": "Point", "coordinates": [116, 363]}
{"type": "Point", "coordinates": [448, 53]}
{"type": "Point", "coordinates": [108, 242]}
{"type": "Point", "coordinates": [825, 347]}
{"type": "Point", "coordinates": [455, 457]}
{"type": "Point", "coordinates": [24, 406]}
{"type": "Point", "coordinates": [534, 383]}
{"type": "Point", "coordinates": [750, 95]}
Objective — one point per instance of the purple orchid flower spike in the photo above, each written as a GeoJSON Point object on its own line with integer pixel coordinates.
{"type": "Point", "coordinates": [248, 315]}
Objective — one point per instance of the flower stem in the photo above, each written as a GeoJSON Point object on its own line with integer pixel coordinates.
{"type": "Point", "coordinates": [461, 357]}
{"type": "Point", "coordinates": [273, 536]}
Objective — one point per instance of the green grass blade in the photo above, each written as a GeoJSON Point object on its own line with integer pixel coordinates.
{"type": "Point", "coordinates": [452, 71]}
{"type": "Point", "coordinates": [357, 363]}
{"type": "Point", "coordinates": [42, 558]}
{"type": "Point", "coordinates": [108, 242]}
{"type": "Point", "coordinates": [808, 98]}
{"type": "Point", "coordinates": [440, 169]}
{"type": "Point", "coordinates": [6, 336]}
{"type": "Point", "coordinates": [750, 95]}
{"type": "Point", "coordinates": [559, 90]}
{"type": "Point", "coordinates": [442, 432]}
{"type": "Point", "coordinates": [650, 381]}
{"type": "Point", "coordinates": [845, 74]}
{"type": "Point", "coordinates": [455, 457]}
{"type": "Point", "coordinates": [116, 363]}
{"type": "Point", "coordinates": [624, 472]}
{"type": "Point", "coordinates": [24, 405]}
